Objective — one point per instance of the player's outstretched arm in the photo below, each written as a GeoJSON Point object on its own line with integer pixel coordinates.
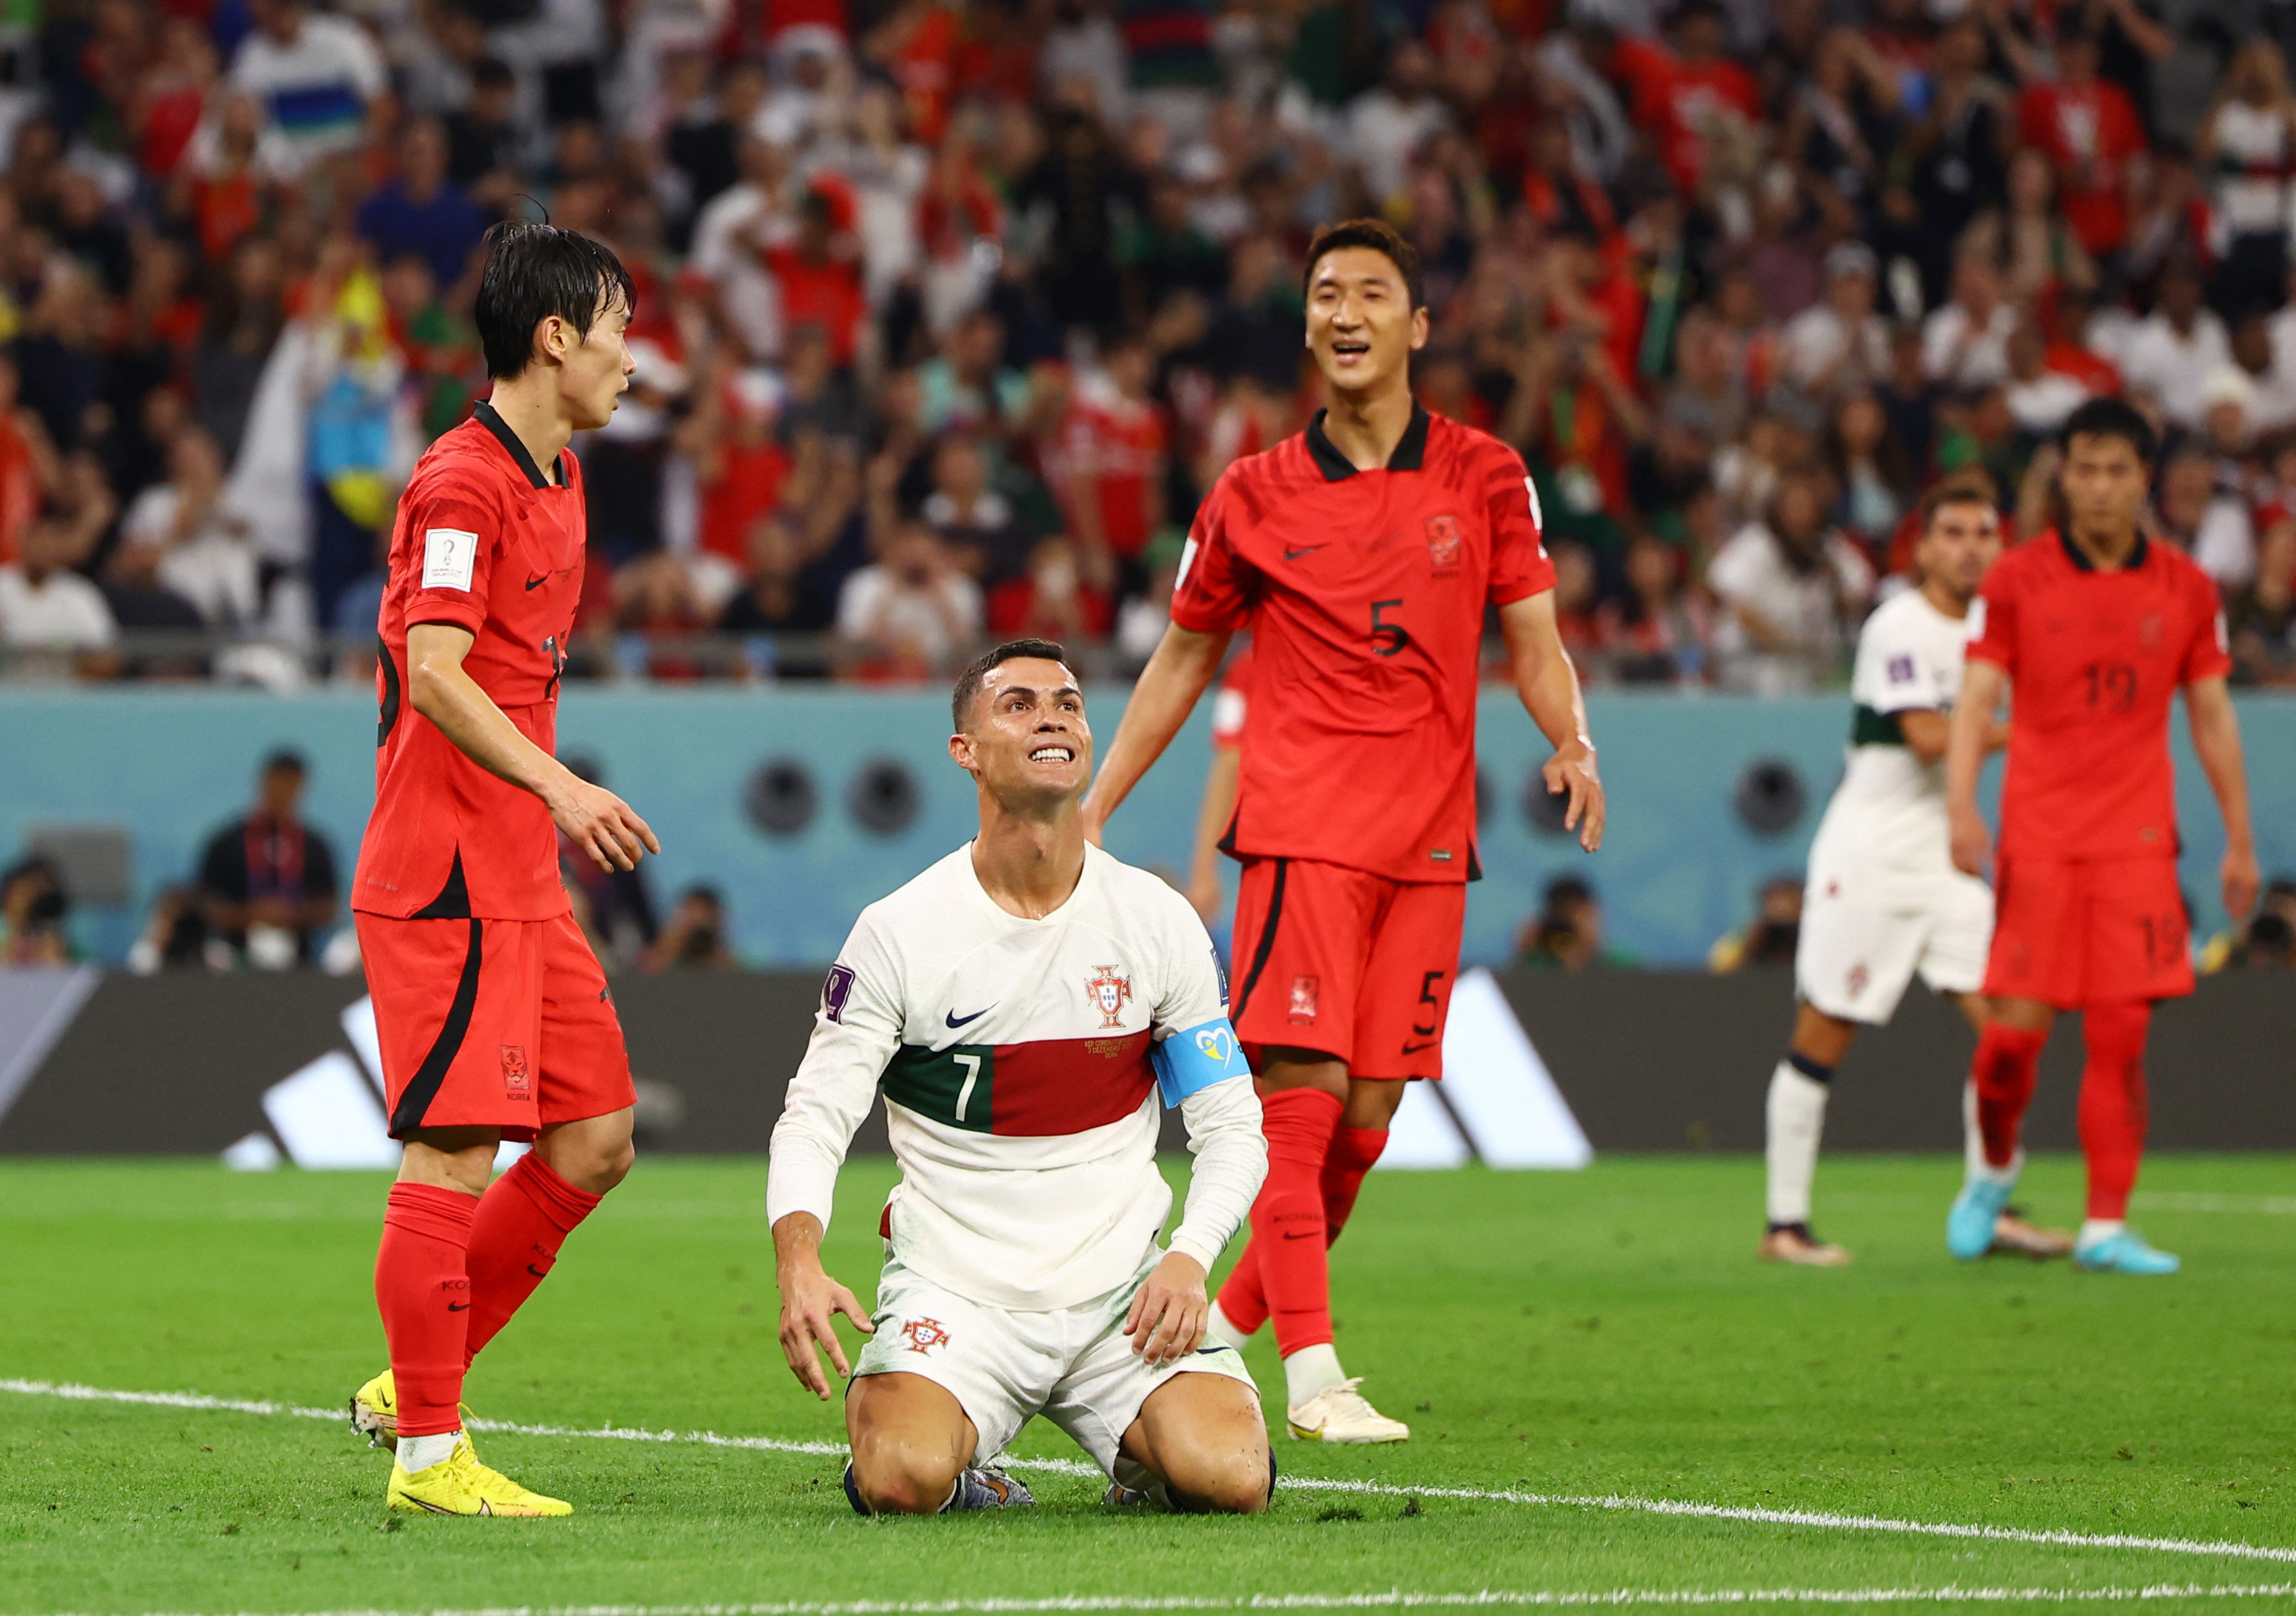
{"type": "Point", "coordinates": [1185, 663]}
{"type": "Point", "coordinates": [1982, 684]}
{"type": "Point", "coordinates": [810, 1300]}
{"type": "Point", "coordinates": [601, 824]}
{"type": "Point", "coordinates": [1549, 687]}
{"type": "Point", "coordinates": [2216, 739]}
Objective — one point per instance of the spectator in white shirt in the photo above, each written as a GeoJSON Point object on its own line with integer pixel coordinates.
{"type": "Point", "coordinates": [2039, 397]}
{"type": "Point", "coordinates": [206, 554]}
{"type": "Point", "coordinates": [2202, 518]}
{"type": "Point", "coordinates": [1966, 344]}
{"type": "Point", "coordinates": [53, 621]}
{"type": "Point", "coordinates": [316, 74]}
{"type": "Point", "coordinates": [1791, 590]}
{"type": "Point", "coordinates": [912, 612]}
{"type": "Point", "coordinates": [2171, 354]}
{"type": "Point", "coordinates": [1385, 124]}
{"type": "Point", "coordinates": [1840, 343]}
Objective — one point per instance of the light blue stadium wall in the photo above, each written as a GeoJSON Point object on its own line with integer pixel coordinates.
{"type": "Point", "coordinates": [1677, 870]}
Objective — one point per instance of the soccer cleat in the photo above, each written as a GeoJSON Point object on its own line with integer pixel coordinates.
{"type": "Point", "coordinates": [1341, 1414]}
{"type": "Point", "coordinates": [1976, 1211]}
{"type": "Point", "coordinates": [374, 1411]}
{"type": "Point", "coordinates": [2124, 1253]}
{"type": "Point", "coordinates": [1794, 1243]}
{"type": "Point", "coordinates": [459, 1485]}
{"type": "Point", "coordinates": [980, 1487]}
{"type": "Point", "coordinates": [2013, 1236]}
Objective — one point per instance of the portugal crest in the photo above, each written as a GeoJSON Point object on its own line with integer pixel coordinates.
{"type": "Point", "coordinates": [1109, 993]}
{"type": "Point", "coordinates": [923, 1334]}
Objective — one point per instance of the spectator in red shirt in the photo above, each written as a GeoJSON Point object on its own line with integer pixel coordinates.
{"type": "Point", "coordinates": [2090, 130]}
{"type": "Point", "coordinates": [1051, 601]}
{"type": "Point", "coordinates": [1111, 459]}
{"type": "Point", "coordinates": [820, 276]}
{"type": "Point", "coordinates": [1688, 95]}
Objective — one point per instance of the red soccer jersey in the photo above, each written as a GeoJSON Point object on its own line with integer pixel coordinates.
{"type": "Point", "coordinates": [485, 542]}
{"type": "Point", "coordinates": [1364, 593]}
{"type": "Point", "coordinates": [2094, 659]}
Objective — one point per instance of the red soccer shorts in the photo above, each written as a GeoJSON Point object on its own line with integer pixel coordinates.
{"type": "Point", "coordinates": [1349, 965]}
{"type": "Point", "coordinates": [492, 1023]}
{"type": "Point", "coordinates": [2088, 933]}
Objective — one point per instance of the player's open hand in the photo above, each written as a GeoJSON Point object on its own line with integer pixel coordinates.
{"type": "Point", "coordinates": [2242, 879]}
{"type": "Point", "coordinates": [604, 826]}
{"type": "Point", "coordinates": [1572, 770]}
{"type": "Point", "coordinates": [810, 1300]}
{"type": "Point", "coordinates": [1169, 1311]}
{"type": "Point", "coordinates": [1973, 843]}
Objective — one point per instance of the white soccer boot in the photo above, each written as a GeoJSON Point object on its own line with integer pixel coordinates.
{"type": "Point", "coordinates": [1341, 1414]}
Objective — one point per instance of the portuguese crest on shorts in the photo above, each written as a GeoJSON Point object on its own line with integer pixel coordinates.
{"type": "Point", "coordinates": [923, 1334]}
{"type": "Point", "coordinates": [1110, 990]}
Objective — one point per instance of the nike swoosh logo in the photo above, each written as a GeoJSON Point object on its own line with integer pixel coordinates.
{"type": "Point", "coordinates": [533, 584]}
{"type": "Point", "coordinates": [955, 1019]}
{"type": "Point", "coordinates": [537, 1273]}
{"type": "Point", "coordinates": [1308, 1234]}
{"type": "Point", "coordinates": [1415, 1048]}
{"type": "Point", "coordinates": [1290, 554]}
{"type": "Point", "coordinates": [458, 1307]}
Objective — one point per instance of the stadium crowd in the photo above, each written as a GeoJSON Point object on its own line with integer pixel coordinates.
{"type": "Point", "coordinates": [950, 310]}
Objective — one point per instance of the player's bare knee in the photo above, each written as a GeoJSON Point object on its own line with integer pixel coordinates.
{"type": "Point", "coordinates": [895, 1478]}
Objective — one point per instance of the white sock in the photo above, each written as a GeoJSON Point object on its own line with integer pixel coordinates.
{"type": "Point", "coordinates": [2005, 1176]}
{"type": "Point", "coordinates": [2094, 1229]}
{"type": "Point", "coordinates": [421, 1453]}
{"type": "Point", "coordinates": [1973, 1137]}
{"type": "Point", "coordinates": [1223, 1330]}
{"type": "Point", "coordinates": [1797, 1118]}
{"type": "Point", "coordinates": [1311, 1370]}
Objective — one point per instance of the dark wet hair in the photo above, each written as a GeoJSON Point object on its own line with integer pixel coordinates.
{"type": "Point", "coordinates": [968, 683]}
{"type": "Point", "coordinates": [534, 271]}
{"type": "Point", "coordinates": [2111, 418]}
{"type": "Point", "coordinates": [1380, 236]}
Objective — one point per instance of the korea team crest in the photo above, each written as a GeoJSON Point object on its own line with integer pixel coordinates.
{"type": "Point", "coordinates": [518, 1082]}
{"type": "Point", "coordinates": [1110, 992]}
{"type": "Point", "coordinates": [1443, 542]}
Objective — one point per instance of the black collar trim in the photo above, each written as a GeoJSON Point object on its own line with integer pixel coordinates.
{"type": "Point", "coordinates": [2079, 557]}
{"type": "Point", "coordinates": [489, 417]}
{"type": "Point", "coordinates": [1410, 450]}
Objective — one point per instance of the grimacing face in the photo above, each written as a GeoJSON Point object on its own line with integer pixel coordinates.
{"type": "Point", "coordinates": [1361, 326]}
{"type": "Point", "coordinates": [2105, 482]}
{"type": "Point", "coordinates": [1026, 735]}
{"type": "Point", "coordinates": [1960, 545]}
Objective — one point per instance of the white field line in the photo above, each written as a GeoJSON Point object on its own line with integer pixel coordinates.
{"type": "Point", "coordinates": [1822, 1519]}
{"type": "Point", "coordinates": [2173, 1201]}
{"type": "Point", "coordinates": [1397, 1598]}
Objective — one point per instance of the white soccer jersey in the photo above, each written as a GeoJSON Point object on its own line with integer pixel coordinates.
{"type": "Point", "coordinates": [1890, 809]}
{"type": "Point", "coordinates": [1020, 1062]}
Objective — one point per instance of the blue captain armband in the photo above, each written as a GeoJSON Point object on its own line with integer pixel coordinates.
{"type": "Point", "coordinates": [1192, 1061]}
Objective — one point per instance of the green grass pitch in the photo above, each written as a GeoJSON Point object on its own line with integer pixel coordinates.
{"type": "Point", "coordinates": [1555, 1336]}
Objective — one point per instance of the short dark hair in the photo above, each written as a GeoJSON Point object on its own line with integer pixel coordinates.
{"type": "Point", "coordinates": [1971, 486]}
{"type": "Point", "coordinates": [534, 271]}
{"type": "Point", "coordinates": [1378, 235]}
{"type": "Point", "coordinates": [969, 682]}
{"type": "Point", "coordinates": [285, 760]}
{"type": "Point", "coordinates": [2111, 418]}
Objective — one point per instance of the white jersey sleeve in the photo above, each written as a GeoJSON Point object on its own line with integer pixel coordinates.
{"type": "Point", "coordinates": [856, 1029]}
{"type": "Point", "coordinates": [1202, 1069]}
{"type": "Point", "coordinates": [1896, 671]}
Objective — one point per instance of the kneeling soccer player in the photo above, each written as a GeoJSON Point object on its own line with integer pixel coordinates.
{"type": "Point", "coordinates": [1020, 1004]}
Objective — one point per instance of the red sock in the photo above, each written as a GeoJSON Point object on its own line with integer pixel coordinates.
{"type": "Point", "coordinates": [1287, 1220]}
{"type": "Point", "coordinates": [424, 1293]}
{"type": "Point", "coordinates": [523, 1219]}
{"type": "Point", "coordinates": [1354, 1151]}
{"type": "Point", "coordinates": [2006, 1067]}
{"type": "Point", "coordinates": [2112, 1107]}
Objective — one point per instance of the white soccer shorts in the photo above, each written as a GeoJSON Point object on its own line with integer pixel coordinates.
{"type": "Point", "coordinates": [1864, 935]}
{"type": "Point", "coordinates": [1074, 1366]}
